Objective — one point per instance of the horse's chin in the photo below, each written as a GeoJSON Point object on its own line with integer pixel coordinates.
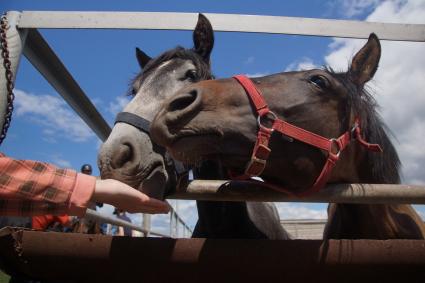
{"type": "Point", "coordinates": [154, 185]}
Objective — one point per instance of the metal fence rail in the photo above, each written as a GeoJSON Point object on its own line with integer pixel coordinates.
{"type": "Point", "coordinates": [49, 256]}
{"type": "Point", "coordinates": [221, 22]}
{"type": "Point", "coordinates": [337, 193]}
{"type": "Point", "coordinates": [175, 221]}
{"type": "Point", "coordinates": [92, 214]}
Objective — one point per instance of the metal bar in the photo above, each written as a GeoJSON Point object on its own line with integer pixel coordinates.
{"type": "Point", "coordinates": [146, 223]}
{"type": "Point", "coordinates": [172, 212]}
{"type": "Point", "coordinates": [179, 219]}
{"type": "Point", "coordinates": [48, 256]}
{"type": "Point", "coordinates": [222, 22]}
{"type": "Point", "coordinates": [39, 53]}
{"type": "Point", "coordinates": [15, 42]}
{"type": "Point", "coordinates": [92, 214]}
{"type": "Point", "coordinates": [337, 193]}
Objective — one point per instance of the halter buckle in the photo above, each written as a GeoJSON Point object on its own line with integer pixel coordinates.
{"type": "Point", "coordinates": [255, 167]}
{"type": "Point", "coordinates": [269, 115]}
{"type": "Point", "coordinates": [338, 147]}
{"type": "Point", "coordinates": [353, 131]}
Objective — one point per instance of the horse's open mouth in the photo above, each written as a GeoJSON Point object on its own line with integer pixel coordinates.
{"type": "Point", "coordinates": [154, 183]}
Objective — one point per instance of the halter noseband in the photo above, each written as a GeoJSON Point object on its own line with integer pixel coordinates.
{"type": "Point", "coordinates": [261, 151]}
{"type": "Point", "coordinates": [144, 126]}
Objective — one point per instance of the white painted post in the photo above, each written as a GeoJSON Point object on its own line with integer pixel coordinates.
{"type": "Point", "coordinates": [15, 42]}
{"type": "Point", "coordinates": [177, 219]}
{"type": "Point", "coordinates": [171, 223]}
{"type": "Point", "coordinates": [146, 224]}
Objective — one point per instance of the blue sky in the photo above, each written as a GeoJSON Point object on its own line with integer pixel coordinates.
{"type": "Point", "coordinates": [103, 62]}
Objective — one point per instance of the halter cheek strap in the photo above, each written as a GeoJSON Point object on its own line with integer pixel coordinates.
{"type": "Point", "coordinates": [261, 151]}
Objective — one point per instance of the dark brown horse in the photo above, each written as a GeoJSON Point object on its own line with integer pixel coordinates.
{"type": "Point", "coordinates": [216, 120]}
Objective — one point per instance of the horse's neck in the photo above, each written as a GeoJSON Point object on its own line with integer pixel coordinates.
{"type": "Point", "coordinates": [234, 219]}
{"type": "Point", "coordinates": [377, 221]}
{"type": "Point", "coordinates": [225, 220]}
{"type": "Point", "coordinates": [221, 219]}
{"type": "Point", "coordinates": [373, 221]}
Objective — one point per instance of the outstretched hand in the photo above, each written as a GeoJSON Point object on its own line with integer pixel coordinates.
{"type": "Point", "coordinates": [122, 196]}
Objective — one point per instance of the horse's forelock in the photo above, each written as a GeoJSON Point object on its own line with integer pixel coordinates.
{"type": "Point", "coordinates": [202, 67]}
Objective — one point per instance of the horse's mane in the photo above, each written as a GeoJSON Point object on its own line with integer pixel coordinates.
{"type": "Point", "coordinates": [385, 167]}
{"type": "Point", "coordinates": [202, 67]}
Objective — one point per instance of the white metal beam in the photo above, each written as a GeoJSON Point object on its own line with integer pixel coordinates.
{"type": "Point", "coordinates": [221, 22]}
{"type": "Point", "coordinates": [337, 193]}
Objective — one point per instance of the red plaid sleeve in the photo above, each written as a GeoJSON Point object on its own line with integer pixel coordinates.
{"type": "Point", "coordinates": [35, 188]}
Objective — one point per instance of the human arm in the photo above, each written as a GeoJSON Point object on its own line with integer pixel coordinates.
{"type": "Point", "coordinates": [35, 188]}
{"type": "Point", "coordinates": [126, 198]}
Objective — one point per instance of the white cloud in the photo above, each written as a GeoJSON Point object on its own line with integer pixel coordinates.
{"type": "Point", "coordinates": [304, 64]}
{"type": "Point", "coordinates": [60, 161]}
{"type": "Point", "coordinates": [188, 212]}
{"type": "Point", "coordinates": [118, 104]}
{"type": "Point", "coordinates": [299, 211]}
{"type": "Point", "coordinates": [352, 8]}
{"type": "Point", "coordinates": [53, 114]}
{"type": "Point", "coordinates": [257, 75]}
{"type": "Point", "coordinates": [420, 211]}
{"type": "Point", "coordinates": [398, 84]}
{"type": "Point", "coordinates": [161, 224]}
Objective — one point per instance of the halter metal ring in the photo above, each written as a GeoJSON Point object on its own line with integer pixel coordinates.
{"type": "Point", "coordinates": [273, 117]}
{"type": "Point", "coordinates": [335, 142]}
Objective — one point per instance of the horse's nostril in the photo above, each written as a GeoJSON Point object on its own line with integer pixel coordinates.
{"type": "Point", "coordinates": [122, 155]}
{"type": "Point", "coordinates": [183, 101]}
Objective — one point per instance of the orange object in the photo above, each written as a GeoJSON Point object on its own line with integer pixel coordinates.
{"type": "Point", "coordinates": [42, 222]}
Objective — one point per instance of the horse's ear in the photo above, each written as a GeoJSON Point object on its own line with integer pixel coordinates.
{"type": "Point", "coordinates": [142, 58]}
{"type": "Point", "coordinates": [365, 62]}
{"type": "Point", "coordinates": [203, 38]}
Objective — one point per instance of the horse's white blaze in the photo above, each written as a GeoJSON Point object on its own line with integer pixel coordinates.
{"type": "Point", "coordinates": [149, 98]}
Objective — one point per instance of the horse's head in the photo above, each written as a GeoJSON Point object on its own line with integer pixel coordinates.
{"type": "Point", "coordinates": [128, 154]}
{"type": "Point", "coordinates": [215, 119]}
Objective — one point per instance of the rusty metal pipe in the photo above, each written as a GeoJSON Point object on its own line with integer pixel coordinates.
{"type": "Point", "coordinates": [98, 258]}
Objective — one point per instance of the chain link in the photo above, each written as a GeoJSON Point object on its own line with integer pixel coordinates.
{"type": "Point", "coordinates": [9, 77]}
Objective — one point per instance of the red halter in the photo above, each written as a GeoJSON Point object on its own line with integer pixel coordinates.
{"type": "Point", "coordinates": [261, 150]}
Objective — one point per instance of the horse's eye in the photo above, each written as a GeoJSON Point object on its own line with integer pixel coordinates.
{"type": "Point", "coordinates": [191, 75]}
{"type": "Point", "coordinates": [319, 81]}
{"type": "Point", "coordinates": [134, 87]}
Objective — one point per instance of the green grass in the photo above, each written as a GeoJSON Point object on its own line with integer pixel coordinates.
{"type": "Point", "coordinates": [4, 278]}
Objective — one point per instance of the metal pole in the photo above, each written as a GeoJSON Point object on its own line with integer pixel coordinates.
{"type": "Point", "coordinates": [171, 223]}
{"type": "Point", "coordinates": [51, 257]}
{"type": "Point", "coordinates": [216, 190]}
{"type": "Point", "coordinates": [92, 214]}
{"type": "Point", "coordinates": [16, 42]}
{"type": "Point", "coordinates": [146, 224]}
{"type": "Point", "coordinates": [222, 22]}
{"type": "Point", "coordinates": [177, 219]}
